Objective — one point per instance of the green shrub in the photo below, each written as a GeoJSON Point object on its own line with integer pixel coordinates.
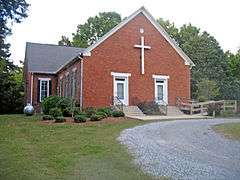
{"type": "Point", "coordinates": [150, 108]}
{"type": "Point", "coordinates": [96, 117]}
{"type": "Point", "coordinates": [60, 119]}
{"type": "Point", "coordinates": [55, 112]}
{"type": "Point", "coordinates": [76, 111]}
{"type": "Point", "coordinates": [106, 110]}
{"type": "Point", "coordinates": [64, 103]}
{"type": "Point", "coordinates": [82, 113]}
{"type": "Point", "coordinates": [103, 114]}
{"type": "Point", "coordinates": [56, 102]}
{"type": "Point", "coordinates": [80, 118]}
{"type": "Point", "coordinates": [118, 114]}
{"type": "Point", "coordinates": [67, 112]}
{"type": "Point", "coordinates": [214, 107]}
{"type": "Point", "coordinates": [90, 111]}
{"type": "Point", "coordinates": [47, 117]}
{"type": "Point", "coordinates": [49, 103]}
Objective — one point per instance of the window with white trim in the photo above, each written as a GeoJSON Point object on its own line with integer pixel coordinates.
{"type": "Point", "coordinates": [44, 89]}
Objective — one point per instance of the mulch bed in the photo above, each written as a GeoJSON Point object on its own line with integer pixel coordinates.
{"type": "Point", "coordinates": [69, 120]}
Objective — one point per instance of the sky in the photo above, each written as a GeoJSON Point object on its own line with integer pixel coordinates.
{"type": "Point", "coordinates": [48, 20]}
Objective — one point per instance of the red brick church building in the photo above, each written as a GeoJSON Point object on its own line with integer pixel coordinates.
{"type": "Point", "coordinates": [136, 61]}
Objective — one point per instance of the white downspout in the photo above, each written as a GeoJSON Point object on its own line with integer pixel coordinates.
{"type": "Point", "coordinates": [81, 84]}
{"type": "Point", "coordinates": [31, 95]}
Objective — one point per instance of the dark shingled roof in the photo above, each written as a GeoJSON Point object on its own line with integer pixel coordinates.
{"type": "Point", "coordinates": [49, 58]}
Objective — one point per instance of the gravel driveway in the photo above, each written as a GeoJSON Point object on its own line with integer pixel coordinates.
{"type": "Point", "coordinates": [186, 149]}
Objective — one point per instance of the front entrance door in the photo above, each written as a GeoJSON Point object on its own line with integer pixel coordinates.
{"type": "Point", "coordinates": [121, 90]}
{"type": "Point", "coordinates": [161, 96]}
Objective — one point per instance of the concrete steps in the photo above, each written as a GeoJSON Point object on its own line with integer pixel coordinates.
{"type": "Point", "coordinates": [174, 111]}
{"type": "Point", "coordinates": [132, 111]}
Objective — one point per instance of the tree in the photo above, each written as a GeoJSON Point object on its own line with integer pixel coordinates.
{"type": "Point", "coordinates": [210, 60]}
{"type": "Point", "coordinates": [10, 11]}
{"type": "Point", "coordinates": [12, 89]}
{"type": "Point", "coordinates": [234, 63]}
{"type": "Point", "coordinates": [92, 30]}
{"type": "Point", "coordinates": [207, 90]}
{"type": "Point", "coordinates": [171, 29]}
{"type": "Point", "coordinates": [65, 41]}
{"type": "Point", "coordinates": [10, 75]}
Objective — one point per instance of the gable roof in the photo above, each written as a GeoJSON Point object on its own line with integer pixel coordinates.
{"type": "Point", "coordinates": [161, 30]}
{"type": "Point", "coordinates": [48, 58]}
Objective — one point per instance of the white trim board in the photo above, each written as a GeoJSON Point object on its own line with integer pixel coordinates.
{"type": "Point", "coordinates": [160, 77]}
{"type": "Point", "coordinates": [143, 10]}
{"type": "Point", "coordinates": [120, 74]}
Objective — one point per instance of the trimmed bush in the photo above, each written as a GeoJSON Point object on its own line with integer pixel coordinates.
{"type": "Point", "coordinates": [214, 107]}
{"type": "Point", "coordinates": [118, 114]}
{"type": "Point", "coordinates": [77, 111]}
{"type": "Point", "coordinates": [60, 119]}
{"type": "Point", "coordinates": [90, 111]}
{"type": "Point", "coordinates": [47, 117]}
{"type": "Point", "coordinates": [80, 118]}
{"type": "Point", "coordinates": [108, 111]}
{"type": "Point", "coordinates": [103, 114]}
{"type": "Point", "coordinates": [67, 112]}
{"type": "Point", "coordinates": [49, 103]}
{"type": "Point", "coordinates": [55, 112]}
{"type": "Point", "coordinates": [150, 108]}
{"type": "Point", "coordinates": [55, 102]}
{"type": "Point", "coordinates": [96, 117]}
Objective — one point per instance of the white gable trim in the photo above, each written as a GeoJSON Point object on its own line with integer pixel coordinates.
{"type": "Point", "coordinates": [143, 10]}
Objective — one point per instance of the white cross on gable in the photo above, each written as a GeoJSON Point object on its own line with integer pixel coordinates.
{"type": "Point", "coordinates": [142, 47]}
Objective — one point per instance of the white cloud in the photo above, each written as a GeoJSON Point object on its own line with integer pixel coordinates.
{"type": "Point", "coordinates": [49, 19]}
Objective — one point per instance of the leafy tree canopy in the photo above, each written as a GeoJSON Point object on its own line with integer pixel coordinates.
{"type": "Point", "coordinates": [92, 30]}
{"type": "Point", "coordinates": [10, 11]}
{"type": "Point", "coordinates": [11, 82]}
{"type": "Point", "coordinates": [210, 60]}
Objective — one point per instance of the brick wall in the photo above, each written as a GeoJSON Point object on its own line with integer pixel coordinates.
{"type": "Point", "coordinates": [117, 54]}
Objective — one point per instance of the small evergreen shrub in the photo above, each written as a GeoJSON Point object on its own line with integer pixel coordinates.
{"type": "Point", "coordinates": [49, 103]}
{"type": "Point", "coordinates": [64, 103]}
{"type": "Point", "coordinates": [90, 111]}
{"type": "Point", "coordinates": [106, 110]}
{"type": "Point", "coordinates": [76, 111]}
{"type": "Point", "coordinates": [55, 102]}
{"type": "Point", "coordinates": [55, 112]}
{"type": "Point", "coordinates": [150, 108]}
{"type": "Point", "coordinates": [214, 107]}
{"type": "Point", "coordinates": [118, 114]}
{"type": "Point", "coordinates": [80, 118]}
{"type": "Point", "coordinates": [60, 119]}
{"type": "Point", "coordinates": [47, 117]}
{"type": "Point", "coordinates": [103, 114]}
{"type": "Point", "coordinates": [96, 117]}
{"type": "Point", "coordinates": [67, 112]}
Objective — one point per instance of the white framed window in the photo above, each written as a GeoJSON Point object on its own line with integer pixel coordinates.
{"type": "Point", "coordinates": [44, 89]}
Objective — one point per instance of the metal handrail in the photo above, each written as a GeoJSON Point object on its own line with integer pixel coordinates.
{"type": "Point", "coordinates": [118, 103]}
{"type": "Point", "coordinates": [163, 104]}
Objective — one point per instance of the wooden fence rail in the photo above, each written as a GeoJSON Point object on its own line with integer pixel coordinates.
{"type": "Point", "coordinates": [202, 107]}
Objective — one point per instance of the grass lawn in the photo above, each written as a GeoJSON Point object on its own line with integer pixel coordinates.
{"type": "Point", "coordinates": [32, 150]}
{"type": "Point", "coordinates": [229, 130]}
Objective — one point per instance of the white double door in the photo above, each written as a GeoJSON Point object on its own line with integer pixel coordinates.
{"type": "Point", "coordinates": [121, 90]}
